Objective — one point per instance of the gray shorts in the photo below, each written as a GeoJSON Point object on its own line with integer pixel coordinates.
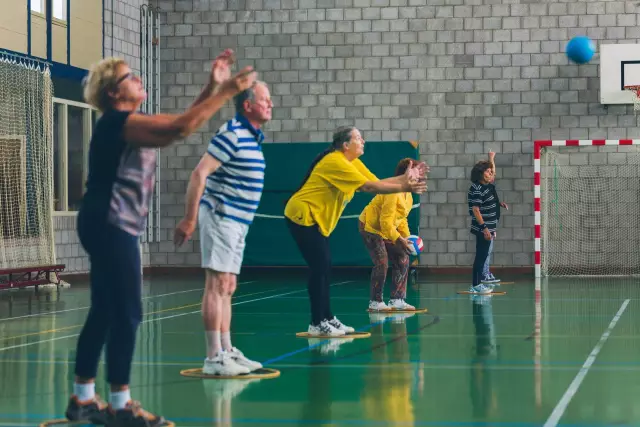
{"type": "Point", "coordinates": [222, 241]}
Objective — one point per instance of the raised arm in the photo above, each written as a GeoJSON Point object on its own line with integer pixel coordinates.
{"type": "Point", "coordinates": [401, 183]}
{"type": "Point", "coordinates": [163, 129]}
{"type": "Point", "coordinates": [492, 157]}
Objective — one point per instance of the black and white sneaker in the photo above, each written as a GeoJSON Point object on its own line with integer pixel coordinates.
{"type": "Point", "coordinates": [324, 329]}
{"type": "Point", "coordinates": [340, 326]}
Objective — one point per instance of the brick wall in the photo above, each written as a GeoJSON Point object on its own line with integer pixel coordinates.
{"type": "Point", "coordinates": [69, 251]}
{"type": "Point", "coordinates": [125, 43]}
{"type": "Point", "coordinates": [462, 76]}
{"type": "Point", "coordinates": [123, 40]}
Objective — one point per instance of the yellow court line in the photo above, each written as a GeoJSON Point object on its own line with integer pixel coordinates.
{"type": "Point", "coordinates": [52, 331]}
{"type": "Point", "coordinates": [65, 328]}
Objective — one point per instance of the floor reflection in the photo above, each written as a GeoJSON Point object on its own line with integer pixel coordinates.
{"type": "Point", "coordinates": [482, 390]}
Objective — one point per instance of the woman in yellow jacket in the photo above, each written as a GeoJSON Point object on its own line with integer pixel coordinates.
{"type": "Point", "coordinates": [313, 211]}
{"type": "Point", "coordinates": [384, 228]}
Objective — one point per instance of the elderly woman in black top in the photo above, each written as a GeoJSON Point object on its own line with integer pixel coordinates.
{"type": "Point", "coordinates": [483, 208]}
{"type": "Point", "coordinates": [122, 159]}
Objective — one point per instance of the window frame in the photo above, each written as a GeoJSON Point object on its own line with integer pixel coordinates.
{"type": "Point", "coordinates": [42, 6]}
{"type": "Point", "coordinates": [62, 3]}
{"type": "Point", "coordinates": [61, 191]}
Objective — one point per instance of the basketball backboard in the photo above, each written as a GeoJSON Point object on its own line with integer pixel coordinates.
{"type": "Point", "coordinates": [619, 67]}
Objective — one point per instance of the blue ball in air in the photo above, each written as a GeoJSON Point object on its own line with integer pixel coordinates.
{"type": "Point", "coordinates": [581, 49]}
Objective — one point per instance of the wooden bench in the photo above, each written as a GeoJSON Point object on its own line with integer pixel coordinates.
{"type": "Point", "coordinates": [22, 277]}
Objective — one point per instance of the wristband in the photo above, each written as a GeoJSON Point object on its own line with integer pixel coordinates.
{"type": "Point", "coordinates": [483, 226]}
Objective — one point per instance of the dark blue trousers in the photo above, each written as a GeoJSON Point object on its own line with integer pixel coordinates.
{"type": "Point", "coordinates": [482, 251]}
{"type": "Point", "coordinates": [116, 300]}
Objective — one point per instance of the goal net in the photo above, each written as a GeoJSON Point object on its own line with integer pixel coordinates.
{"type": "Point", "coordinates": [587, 198]}
{"type": "Point", "coordinates": [26, 164]}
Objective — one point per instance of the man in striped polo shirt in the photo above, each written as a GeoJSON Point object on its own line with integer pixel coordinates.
{"type": "Point", "coordinates": [223, 194]}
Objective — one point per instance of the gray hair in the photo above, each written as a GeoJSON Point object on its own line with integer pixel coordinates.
{"type": "Point", "coordinates": [247, 94]}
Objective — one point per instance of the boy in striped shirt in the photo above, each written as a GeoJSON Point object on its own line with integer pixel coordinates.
{"type": "Point", "coordinates": [487, 276]}
{"type": "Point", "coordinates": [483, 210]}
{"type": "Point", "coordinates": [223, 194]}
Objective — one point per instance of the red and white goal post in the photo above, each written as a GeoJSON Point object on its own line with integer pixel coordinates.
{"type": "Point", "coordinates": [587, 203]}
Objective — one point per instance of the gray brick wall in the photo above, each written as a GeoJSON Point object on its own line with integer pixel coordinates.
{"type": "Point", "coordinates": [461, 76]}
{"type": "Point", "coordinates": [69, 251]}
{"type": "Point", "coordinates": [68, 248]}
{"type": "Point", "coordinates": [122, 30]}
{"type": "Point", "coordinates": [125, 43]}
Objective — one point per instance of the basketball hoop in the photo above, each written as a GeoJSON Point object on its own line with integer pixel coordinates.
{"type": "Point", "coordinates": [636, 96]}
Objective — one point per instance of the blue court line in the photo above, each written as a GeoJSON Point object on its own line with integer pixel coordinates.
{"type": "Point", "coordinates": [304, 349]}
{"type": "Point", "coordinates": [462, 297]}
{"type": "Point", "coordinates": [235, 421]}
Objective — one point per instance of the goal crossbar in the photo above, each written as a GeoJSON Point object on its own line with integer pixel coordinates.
{"type": "Point", "coordinates": [538, 147]}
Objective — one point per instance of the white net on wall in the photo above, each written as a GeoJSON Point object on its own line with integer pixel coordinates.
{"type": "Point", "coordinates": [589, 197]}
{"type": "Point", "coordinates": [26, 164]}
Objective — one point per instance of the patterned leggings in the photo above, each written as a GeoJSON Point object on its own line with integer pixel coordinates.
{"type": "Point", "coordinates": [380, 250]}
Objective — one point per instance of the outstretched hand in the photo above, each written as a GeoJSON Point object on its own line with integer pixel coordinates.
{"type": "Point", "coordinates": [221, 79]}
{"type": "Point", "coordinates": [414, 181]}
{"type": "Point", "coordinates": [221, 68]}
{"type": "Point", "coordinates": [418, 171]}
{"type": "Point", "coordinates": [243, 80]}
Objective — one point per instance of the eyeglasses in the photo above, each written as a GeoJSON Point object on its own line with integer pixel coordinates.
{"type": "Point", "coordinates": [123, 78]}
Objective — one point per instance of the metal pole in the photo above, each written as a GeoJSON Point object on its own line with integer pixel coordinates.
{"type": "Point", "coordinates": [157, 98]}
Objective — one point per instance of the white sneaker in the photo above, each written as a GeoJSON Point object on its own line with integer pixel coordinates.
{"type": "Point", "coordinates": [481, 289]}
{"type": "Point", "coordinates": [332, 346]}
{"type": "Point", "coordinates": [238, 357]}
{"type": "Point", "coordinates": [324, 329]}
{"type": "Point", "coordinates": [481, 299]}
{"type": "Point", "coordinates": [378, 306]}
{"type": "Point", "coordinates": [400, 318]}
{"type": "Point", "coordinates": [223, 365]}
{"type": "Point", "coordinates": [226, 390]}
{"type": "Point", "coordinates": [340, 326]}
{"type": "Point", "coordinates": [379, 316]}
{"type": "Point", "coordinates": [490, 278]}
{"type": "Point", "coordinates": [400, 304]}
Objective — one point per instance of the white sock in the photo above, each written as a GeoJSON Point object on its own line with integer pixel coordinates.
{"type": "Point", "coordinates": [226, 341]}
{"type": "Point", "coordinates": [213, 343]}
{"type": "Point", "coordinates": [119, 399]}
{"type": "Point", "coordinates": [84, 392]}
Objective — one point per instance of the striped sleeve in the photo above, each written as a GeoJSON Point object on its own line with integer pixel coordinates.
{"type": "Point", "coordinates": [474, 196]}
{"type": "Point", "coordinates": [223, 146]}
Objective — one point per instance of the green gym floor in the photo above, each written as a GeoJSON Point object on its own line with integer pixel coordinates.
{"type": "Point", "coordinates": [567, 358]}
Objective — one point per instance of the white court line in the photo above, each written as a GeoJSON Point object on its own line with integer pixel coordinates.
{"type": "Point", "coordinates": [392, 365]}
{"type": "Point", "coordinates": [161, 318]}
{"type": "Point", "coordinates": [85, 308]}
{"type": "Point", "coordinates": [16, 424]}
{"type": "Point", "coordinates": [238, 303]}
{"type": "Point", "coordinates": [562, 405]}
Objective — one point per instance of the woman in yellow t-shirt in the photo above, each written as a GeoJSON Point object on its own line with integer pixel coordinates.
{"type": "Point", "coordinates": [384, 228]}
{"type": "Point", "coordinates": [313, 211]}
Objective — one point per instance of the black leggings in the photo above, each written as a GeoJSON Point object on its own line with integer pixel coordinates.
{"type": "Point", "coordinates": [315, 251]}
{"type": "Point", "coordinates": [116, 300]}
{"type": "Point", "coordinates": [482, 251]}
